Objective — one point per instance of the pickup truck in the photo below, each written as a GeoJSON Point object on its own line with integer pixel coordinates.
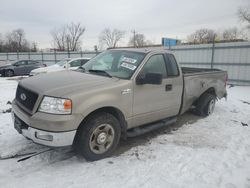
{"type": "Point", "coordinates": [119, 93]}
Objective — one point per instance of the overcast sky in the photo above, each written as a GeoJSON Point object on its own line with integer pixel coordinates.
{"type": "Point", "coordinates": [154, 18]}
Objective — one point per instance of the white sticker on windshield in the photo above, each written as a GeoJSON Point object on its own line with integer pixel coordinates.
{"type": "Point", "coordinates": [128, 66]}
{"type": "Point", "coordinates": [129, 60]}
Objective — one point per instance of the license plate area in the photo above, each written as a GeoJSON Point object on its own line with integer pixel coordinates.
{"type": "Point", "coordinates": [19, 124]}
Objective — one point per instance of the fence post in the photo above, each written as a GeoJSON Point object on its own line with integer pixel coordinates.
{"type": "Point", "coordinates": [7, 55]}
{"type": "Point", "coordinates": [68, 54]}
{"type": "Point", "coordinates": [55, 56]}
{"type": "Point", "coordinates": [212, 58]}
{"type": "Point", "coordinates": [81, 53]}
{"type": "Point", "coordinates": [17, 54]}
{"type": "Point", "coordinates": [42, 56]}
{"type": "Point", "coordinates": [29, 54]}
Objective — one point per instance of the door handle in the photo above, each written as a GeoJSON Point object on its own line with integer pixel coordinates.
{"type": "Point", "coordinates": [168, 87]}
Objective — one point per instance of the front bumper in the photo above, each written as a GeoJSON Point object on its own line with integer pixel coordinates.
{"type": "Point", "coordinates": [1, 72]}
{"type": "Point", "coordinates": [49, 138]}
{"type": "Point", "coordinates": [55, 138]}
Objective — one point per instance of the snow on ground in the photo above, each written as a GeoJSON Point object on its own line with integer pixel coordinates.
{"type": "Point", "coordinates": [194, 152]}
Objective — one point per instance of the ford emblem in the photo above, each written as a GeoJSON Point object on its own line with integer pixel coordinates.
{"type": "Point", "coordinates": [23, 96]}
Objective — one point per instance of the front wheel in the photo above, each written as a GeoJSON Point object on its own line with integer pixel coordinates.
{"type": "Point", "coordinates": [9, 73]}
{"type": "Point", "coordinates": [98, 137]}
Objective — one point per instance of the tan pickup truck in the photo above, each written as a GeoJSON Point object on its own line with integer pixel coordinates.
{"type": "Point", "coordinates": [119, 93]}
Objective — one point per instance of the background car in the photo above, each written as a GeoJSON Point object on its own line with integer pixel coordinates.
{"type": "Point", "coordinates": [20, 67]}
{"type": "Point", "coordinates": [71, 64]}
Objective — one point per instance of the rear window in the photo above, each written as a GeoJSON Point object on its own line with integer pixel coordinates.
{"type": "Point", "coordinates": [172, 67]}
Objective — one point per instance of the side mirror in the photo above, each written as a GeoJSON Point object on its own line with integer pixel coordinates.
{"type": "Point", "coordinates": [149, 78]}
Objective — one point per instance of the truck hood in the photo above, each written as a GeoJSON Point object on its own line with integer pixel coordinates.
{"type": "Point", "coordinates": [61, 83]}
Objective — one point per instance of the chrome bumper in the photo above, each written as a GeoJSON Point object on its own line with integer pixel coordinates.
{"type": "Point", "coordinates": [49, 138]}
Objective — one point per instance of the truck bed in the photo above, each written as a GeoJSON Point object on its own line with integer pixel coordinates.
{"type": "Point", "coordinates": [191, 71]}
{"type": "Point", "coordinates": [198, 80]}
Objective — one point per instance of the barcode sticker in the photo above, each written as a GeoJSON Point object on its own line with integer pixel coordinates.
{"type": "Point", "coordinates": [128, 66]}
{"type": "Point", "coordinates": [129, 60]}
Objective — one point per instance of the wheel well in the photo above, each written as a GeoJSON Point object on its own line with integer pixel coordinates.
{"type": "Point", "coordinates": [112, 110]}
{"type": "Point", "coordinates": [210, 90]}
{"type": "Point", "coordinates": [9, 70]}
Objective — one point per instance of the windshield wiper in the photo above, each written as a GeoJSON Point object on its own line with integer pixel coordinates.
{"type": "Point", "coordinates": [100, 71]}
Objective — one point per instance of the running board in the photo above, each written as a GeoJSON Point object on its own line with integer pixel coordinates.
{"type": "Point", "coordinates": [150, 127]}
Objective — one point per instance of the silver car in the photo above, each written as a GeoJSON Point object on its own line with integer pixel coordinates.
{"type": "Point", "coordinates": [20, 67]}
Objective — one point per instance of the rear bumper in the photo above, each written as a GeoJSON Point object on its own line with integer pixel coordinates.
{"type": "Point", "coordinates": [45, 130]}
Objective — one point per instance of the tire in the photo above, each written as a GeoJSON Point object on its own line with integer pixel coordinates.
{"type": "Point", "coordinates": [98, 137]}
{"type": "Point", "coordinates": [9, 73]}
{"type": "Point", "coordinates": [205, 105]}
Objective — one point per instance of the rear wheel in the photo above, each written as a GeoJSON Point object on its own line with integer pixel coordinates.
{"type": "Point", "coordinates": [205, 105]}
{"type": "Point", "coordinates": [98, 137]}
{"type": "Point", "coordinates": [9, 73]}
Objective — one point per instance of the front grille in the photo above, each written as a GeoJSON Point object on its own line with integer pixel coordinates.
{"type": "Point", "coordinates": [26, 97]}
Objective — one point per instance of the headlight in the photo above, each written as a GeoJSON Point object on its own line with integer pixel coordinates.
{"type": "Point", "coordinates": [55, 105]}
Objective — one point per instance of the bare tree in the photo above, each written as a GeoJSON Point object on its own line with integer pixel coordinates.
{"type": "Point", "coordinates": [68, 37]}
{"type": "Point", "coordinates": [138, 40]}
{"type": "Point", "coordinates": [75, 31]}
{"type": "Point", "coordinates": [59, 38]}
{"type": "Point", "coordinates": [232, 33]}
{"type": "Point", "coordinates": [244, 14]}
{"type": "Point", "coordinates": [33, 47]}
{"type": "Point", "coordinates": [202, 36]}
{"type": "Point", "coordinates": [111, 38]}
{"type": "Point", "coordinates": [15, 41]}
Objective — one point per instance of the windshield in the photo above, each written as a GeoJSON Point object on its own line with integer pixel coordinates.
{"type": "Point", "coordinates": [117, 63]}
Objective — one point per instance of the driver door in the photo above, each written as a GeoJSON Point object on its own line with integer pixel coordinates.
{"type": "Point", "coordinates": [20, 67]}
{"type": "Point", "coordinates": [154, 102]}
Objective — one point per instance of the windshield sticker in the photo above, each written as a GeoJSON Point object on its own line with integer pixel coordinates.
{"type": "Point", "coordinates": [128, 66]}
{"type": "Point", "coordinates": [129, 60]}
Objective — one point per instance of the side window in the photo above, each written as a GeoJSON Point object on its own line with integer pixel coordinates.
{"type": "Point", "coordinates": [32, 62]}
{"type": "Point", "coordinates": [172, 67]}
{"type": "Point", "coordinates": [155, 64]}
{"type": "Point", "coordinates": [75, 63]}
{"type": "Point", "coordinates": [21, 63]}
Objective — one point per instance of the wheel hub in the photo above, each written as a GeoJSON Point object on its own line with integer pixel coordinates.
{"type": "Point", "coordinates": [211, 107]}
{"type": "Point", "coordinates": [101, 138]}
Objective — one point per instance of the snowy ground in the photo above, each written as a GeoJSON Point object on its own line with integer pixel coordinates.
{"type": "Point", "coordinates": [194, 152]}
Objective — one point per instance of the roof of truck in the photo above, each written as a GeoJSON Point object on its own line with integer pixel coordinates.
{"type": "Point", "coordinates": [143, 50]}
